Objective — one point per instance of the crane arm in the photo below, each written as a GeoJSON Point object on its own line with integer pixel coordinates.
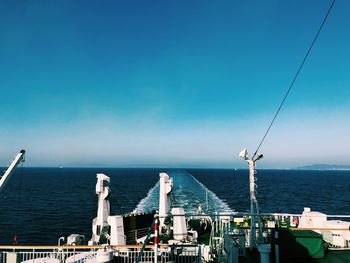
{"type": "Point", "coordinates": [6, 175]}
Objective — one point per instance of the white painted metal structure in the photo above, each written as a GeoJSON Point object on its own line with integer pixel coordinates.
{"type": "Point", "coordinates": [117, 236]}
{"type": "Point", "coordinates": [179, 224]}
{"type": "Point", "coordinates": [18, 159]}
{"type": "Point", "coordinates": [104, 255]}
{"type": "Point", "coordinates": [103, 210]}
{"type": "Point", "coordinates": [312, 219]}
{"type": "Point", "coordinates": [254, 206]}
{"type": "Point", "coordinates": [165, 187]}
{"type": "Point", "coordinates": [72, 254]}
{"type": "Point", "coordinates": [334, 232]}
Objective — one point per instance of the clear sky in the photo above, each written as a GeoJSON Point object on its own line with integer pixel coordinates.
{"type": "Point", "coordinates": [173, 83]}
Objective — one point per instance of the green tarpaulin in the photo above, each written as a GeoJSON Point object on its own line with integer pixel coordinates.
{"type": "Point", "coordinates": [300, 244]}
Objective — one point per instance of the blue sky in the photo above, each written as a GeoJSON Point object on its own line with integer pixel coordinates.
{"type": "Point", "coordinates": [172, 83]}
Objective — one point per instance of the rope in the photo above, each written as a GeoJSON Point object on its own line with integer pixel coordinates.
{"type": "Point", "coordinates": [139, 256]}
{"type": "Point", "coordinates": [295, 77]}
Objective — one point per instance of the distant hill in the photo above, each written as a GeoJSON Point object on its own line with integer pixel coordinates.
{"type": "Point", "coordinates": [324, 167]}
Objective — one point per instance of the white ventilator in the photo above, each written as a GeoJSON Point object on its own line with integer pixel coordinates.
{"type": "Point", "coordinates": [165, 187]}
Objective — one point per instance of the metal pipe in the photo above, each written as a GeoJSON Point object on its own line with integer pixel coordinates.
{"type": "Point", "coordinates": [156, 229]}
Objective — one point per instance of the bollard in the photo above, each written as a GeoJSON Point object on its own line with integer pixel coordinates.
{"type": "Point", "coordinates": [13, 257]}
{"type": "Point", "coordinates": [264, 251]}
{"type": "Point", "coordinates": [104, 255]}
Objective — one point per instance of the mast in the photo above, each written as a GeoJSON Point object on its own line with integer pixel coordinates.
{"type": "Point", "coordinates": [254, 206]}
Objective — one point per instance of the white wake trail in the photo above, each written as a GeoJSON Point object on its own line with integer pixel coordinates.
{"type": "Point", "coordinates": [188, 193]}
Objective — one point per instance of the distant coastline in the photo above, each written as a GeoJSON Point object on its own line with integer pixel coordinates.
{"type": "Point", "coordinates": [325, 167]}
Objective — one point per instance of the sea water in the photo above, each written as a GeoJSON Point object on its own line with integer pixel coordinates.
{"type": "Point", "coordinates": [41, 204]}
{"type": "Point", "coordinates": [188, 193]}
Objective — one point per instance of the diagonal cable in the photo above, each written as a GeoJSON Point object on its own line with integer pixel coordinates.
{"type": "Point", "coordinates": [295, 76]}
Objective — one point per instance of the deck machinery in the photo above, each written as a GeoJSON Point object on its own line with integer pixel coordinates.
{"type": "Point", "coordinates": [19, 158]}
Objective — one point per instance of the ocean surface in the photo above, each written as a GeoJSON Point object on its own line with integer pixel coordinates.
{"type": "Point", "coordinates": [39, 205]}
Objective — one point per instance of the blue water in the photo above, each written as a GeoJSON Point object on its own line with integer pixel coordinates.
{"type": "Point", "coordinates": [41, 204]}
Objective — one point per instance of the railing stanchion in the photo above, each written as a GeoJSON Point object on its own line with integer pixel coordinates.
{"type": "Point", "coordinates": [156, 229]}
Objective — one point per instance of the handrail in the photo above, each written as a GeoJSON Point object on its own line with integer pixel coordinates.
{"type": "Point", "coordinates": [318, 228]}
{"type": "Point", "coordinates": [303, 228]}
{"type": "Point", "coordinates": [78, 247]}
{"type": "Point", "coordinates": [92, 247]}
{"type": "Point", "coordinates": [237, 214]}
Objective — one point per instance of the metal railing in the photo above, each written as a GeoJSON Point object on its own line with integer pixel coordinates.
{"type": "Point", "coordinates": [41, 255]}
{"type": "Point", "coordinates": [133, 235]}
{"type": "Point", "coordinates": [87, 254]}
